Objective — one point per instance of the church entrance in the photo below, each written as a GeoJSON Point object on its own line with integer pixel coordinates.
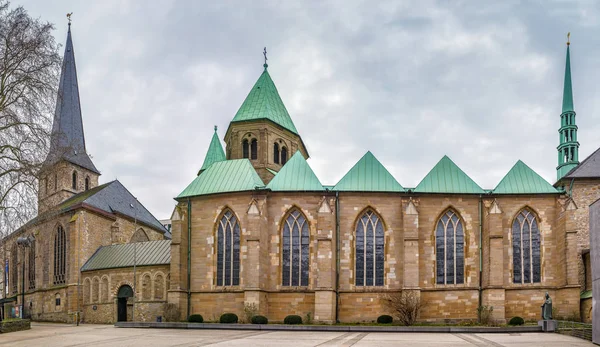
{"type": "Point", "coordinates": [125, 292]}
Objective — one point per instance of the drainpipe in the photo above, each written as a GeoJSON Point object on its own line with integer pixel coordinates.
{"type": "Point", "coordinates": [189, 259]}
{"type": "Point", "coordinates": [337, 256]}
{"type": "Point", "coordinates": [480, 255]}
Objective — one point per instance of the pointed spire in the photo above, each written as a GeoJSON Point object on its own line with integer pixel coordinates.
{"type": "Point", "coordinates": [214, 154]}
{"type": "Point", "coordinates": [567, 105]}
{"type": "Point", "coordinates": [67, 139]}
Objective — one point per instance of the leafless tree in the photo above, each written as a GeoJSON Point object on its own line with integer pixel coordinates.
{"type": "Point", "coordinates": [29, 70]}
{"type": "Point", "coordinates": [406, 305]}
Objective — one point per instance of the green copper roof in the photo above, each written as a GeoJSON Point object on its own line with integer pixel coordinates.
{"type": "Point", "coordinates": [214, 154]}
{"type": "Point", "coordinates": [521, 179]}
{"type": "Point", "coordinates": [264, 102]}
{"type": "Point", "coordinates": [125, 255]}
{"type": "Point", "coordinates": [586, 295]}
{"type": "Point", "coordinates": [447, 177]}
{"type": "Point", "coordinates": [224, 176]}
{"type": "Point", "coordinates": [368, 175]}
{"type": "Point", "coordinates": [295, 175]}
{"type": "Point", "coordinates": [568, 91]}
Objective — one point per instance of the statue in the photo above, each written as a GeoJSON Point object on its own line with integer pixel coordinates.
{"type": "Point", "coordinates": [547, 308]}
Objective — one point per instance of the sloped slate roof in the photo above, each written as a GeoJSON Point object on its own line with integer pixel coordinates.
{"type": "Point", "coordinates": [447, 177]}
{"type": "Point", "coordinates": [222, 177]}
{"type": "Point", "coordinates": [521, 179]}
{"type": "Point", "coordinates": [214, 154]}
{"type": "Point", "coordinates": [589, 168]}
{"type": "Point", "coordinates": [124, 255]}
{"type": "Point", "coordinates": [368, 175]}
{"type": "Point", "coordinates": [264, 102]}
{"type": "Point", "coordinates": [295, 175]}
{"type": "Point", "coordinates": [113, 197]}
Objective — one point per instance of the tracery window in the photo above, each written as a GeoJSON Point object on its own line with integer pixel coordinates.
{"type": "Point", "coordinates": [60, 256]}
{"type": "Point", "coordinates": [74, 181]}
{"type": "Point", "coordinates": [276, 153]}
{"type": "Point", "coordinates": [449, 249]}
{"type": "Point", "coordinates": [245, 149]}
{"type": "Point", "coordinates": [14, 279]}
{"type": "Point", "coordinates": [369, 250]}
{"type": "Point", "coordinates": [284, 155]}
{"type": "Point", "coordinates": [526, 248]}
{"type": "Point", "coordinates": [295, 250]}
{"type": "Point", "coordinates": [254, 149]}
{"type": "Point", "coordinates": [228, 250]}
{"type": "Point", "coordinates": [31, 265]}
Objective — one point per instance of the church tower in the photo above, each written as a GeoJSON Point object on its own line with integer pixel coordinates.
{"type": "Point", "coordinates": [263, 131]}
{"type": "Point", "coordinates": [67, 170]}
{"type": "Point", "coordinates": [568, 149]}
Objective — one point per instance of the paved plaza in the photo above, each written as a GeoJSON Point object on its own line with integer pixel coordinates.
{"type": "Point", "coordinates": [55, 335]}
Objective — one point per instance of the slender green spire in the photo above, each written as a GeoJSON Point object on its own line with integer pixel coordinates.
{"type": "Point", "coordinates": [567, 104]}
{"type": "Point", "coordinates": [214, 154]}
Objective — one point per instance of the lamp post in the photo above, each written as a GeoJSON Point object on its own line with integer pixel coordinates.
{"type": "Point", "coordinates": [24, 242]}
{"type": "Point", "coordinates": [134, 258]}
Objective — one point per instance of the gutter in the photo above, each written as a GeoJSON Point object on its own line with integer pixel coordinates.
{"type": "Point", "coordinates": [189, 259]}
{"type": "Point", "coordinates": [337, 256]}
{"type": "Point", "coordinates": [480, 257]}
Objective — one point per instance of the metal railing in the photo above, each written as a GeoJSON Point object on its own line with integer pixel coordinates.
{"type": "Point", "coordinates": [576, 329]}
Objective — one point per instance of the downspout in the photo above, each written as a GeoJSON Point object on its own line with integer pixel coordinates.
{"type": "Point", "coordinates": [480, 257]}
{"type": "Point", "coordinates": [337, 256]}
{"type": "Point", "coordinates": [189, 259]}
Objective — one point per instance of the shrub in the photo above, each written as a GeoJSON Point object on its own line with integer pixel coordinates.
{"type": "Point", "coordinates": [260, 320]}
{"type": "Point", "coordinates": [171, 312]}
{"type": "Point", "coordinates": [385, 319]}
{"type": "Point", "coordinates": [485, 314]}
{"type": "Point", "coordinates": [250, 310]}
{"type": "Point", "coordinates": [406, 305]}
{"type": "Point", "coordinates": [292, 319]}
{"type": "Point", "coordinates": [228, 318]}
{"type": "Point", "coordinates": [516, 321]}
{"type": "Point", "coordinates": [196, 318]}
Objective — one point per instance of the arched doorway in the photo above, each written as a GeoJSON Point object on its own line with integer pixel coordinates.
{"type": "Point", "coordinates": [124, 293]}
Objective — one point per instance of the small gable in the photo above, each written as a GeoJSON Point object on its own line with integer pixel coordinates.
{"type": "Point", "coordinates": [521, 179]}
{"type": "Point", "coordinates": [295, 175]}
{"type": "Point", "coordinates": [368, 175]}
{"type": "Point", "coordinates": [447, 177]}
{"type": "Point", "coordinates": [214, 154]}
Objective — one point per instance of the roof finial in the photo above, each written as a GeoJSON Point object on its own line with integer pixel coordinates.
{"type": "Point", "coordinates": [69, 17]}
{"type": "Point", "coordinates": [265, 54]}
{"type": "Point", "coordinates": [568, 38]}
{"type": "Point", "coordinates": [215, 128]}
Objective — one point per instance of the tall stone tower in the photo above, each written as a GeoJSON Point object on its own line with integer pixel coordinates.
{"type": "Point", "coordinates": [67, 170]}
{"type": "Point", "coordinates": [263, 131]}
{"type": "Point", "coordinates": [568, 149]}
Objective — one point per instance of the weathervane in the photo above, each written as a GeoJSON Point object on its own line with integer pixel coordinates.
{"type": "Point", "coordinates": [69, 17]}
{"type": "Point", "coordinates": [568, 38]}
{"type": "Point", "coordinates": [265, 54]}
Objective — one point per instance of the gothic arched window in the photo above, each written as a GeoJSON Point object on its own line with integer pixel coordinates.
{"type": "Point", "coordinates": [31, 265]}
{"type": "Point", "coordinates": [369, 250]}
{"type": "Point", "coordinates": [14, 275]}
{"type": "Point", "coordinates": [276, 153]}
{"type": "Point", "coordinates": [449, 249]}
{"type": "Point", "coordinates": [283, 155]}
{"type": "Point", "coordinates": [60, 256]}
{"type": "Point", "coordinates": [295, 250]}
{"type": "Point", "coordinates": [228, 250]}
{"type": "Point", "coordinates": [245, 149]}
{"type": "Point", "coordinates": [526, 248]}
{"type": "Point", "coordinates": [74, 181]}
{"type": "Point", "coordinates": [254, 149]}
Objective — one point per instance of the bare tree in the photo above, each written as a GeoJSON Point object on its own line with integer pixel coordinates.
{"type": "Point", "coordinates": [406, 305]}
{"type": "Point", "coordinates": [29, 70]}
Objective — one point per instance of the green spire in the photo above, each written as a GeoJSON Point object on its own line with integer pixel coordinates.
{"type": "Point", "coordinates": [567, 105]}
{"type": "Point", "coordinates": [264, 102]}
{"type": "Point", "coordinates": [214, 154]}
{"type": "Point", "coordinates": [295, 175]}
{"type": "Point", "coordinates": [368, 175]}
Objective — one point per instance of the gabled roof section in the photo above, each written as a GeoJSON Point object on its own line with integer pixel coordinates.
{"type": "Point", "coordinates": [214, 154]}
{"type": "Point", "coordinates": [521, 179]}
{"type": "Point", "coordinates": [368, 175]}
{"type": "Point", "coordinates": [264, 102]}
{"type": "Point", "coordinates": [67, 140]}
{"type": "Point", "coordinates": [113, 197]}
{"type": "Point", "coordinates": [589, 168]}
{"type": "Point", "coordinates": [295, 175]}
{"type": "Point", "coordinates": [117, 256]}
{"type": "Point", "coordinates": [447, 177]}
{"type": "Point", "coordinates": [224, 177]}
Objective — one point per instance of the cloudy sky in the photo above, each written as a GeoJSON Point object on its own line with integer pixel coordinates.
{"type": "Point", "coordinates": [410, 81]}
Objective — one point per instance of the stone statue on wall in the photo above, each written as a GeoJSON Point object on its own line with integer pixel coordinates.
{"type": "Point", "coordinates": [547, 308]}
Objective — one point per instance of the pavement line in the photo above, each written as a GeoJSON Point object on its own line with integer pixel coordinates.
{"type": "Point", "coordinates": [335, 339]}
{"type": "Point", "coordinates": [471, 340]}
{"type": "Point", "coordinates": [216, 340]}
{"type": "Point", "coordinates": [356, 339]}
{"type": "Point", "coordinates": [489, 342]}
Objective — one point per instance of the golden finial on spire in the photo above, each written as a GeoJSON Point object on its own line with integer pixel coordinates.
{"type": "Point", "coordinates": [69, 17]}
{"type": "Point", "coordinates": [568, 38]}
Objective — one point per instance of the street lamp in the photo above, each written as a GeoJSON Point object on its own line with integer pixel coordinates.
{"type": "Point", "coordinates": [134, 259]}
{"type": "Point", "coordinates": [24, 242]}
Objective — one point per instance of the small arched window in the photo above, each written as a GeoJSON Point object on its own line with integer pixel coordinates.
{"type": "Point", "coordinates": [254, 149]}
{"type": "Point", "coordinates": [139, 236]}
{"type": "Point", "coordinates": [284, 155]}
{"type": "Point", "coordinates": [87, 183]}
{"type": "Point", "coordinates": [449, 249]}
{"type": "Point", "coordinates": [46, 184]}
{"type": "Point", "coordinates": [74, 181]}
{"type": "Point", "coordinates": [526, 248]}
{"type": "Point", "coordinates": [369, 250]}
{"type": "Point", "coordinates": [159, 287]}
{"type": "Point", "coordinates": [60, 256]}
{"type": "Point", "coordinates": [95, 290]}
{"type": "Point", "coordinates": [86, 290]}
{"type": "Point", "coordinates": [146, 287]}
{"type": "Point", "coordinates": [245, 149]}
{"type": "Point", "coordinates": [228, 250]}
{"type": "Point", "coordinates": [295, 250]}
{"type": "Point", "coordinates": [104, 289]}
{"type": "Point", "coordinates": [276, 153]}
{"type": "Point", "coordinates": [55, 182]}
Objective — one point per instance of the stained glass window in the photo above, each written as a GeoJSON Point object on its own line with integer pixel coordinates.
{"type": "Point", "coordinates": [449, 249]}
{"type": "Point", "coordinates": [295, 246]}
{"type": "Point", "coordinates": [60, 257]}
{"type": "Point", "coordinates": [228, 250]}
{"type": "Point", "coordinates": [526, 248]}
{"type": "Point", "coordinates": [369, 250]}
